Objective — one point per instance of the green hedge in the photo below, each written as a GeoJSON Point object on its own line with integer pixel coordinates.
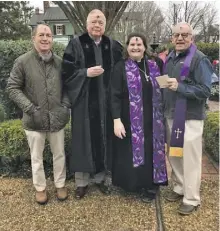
{"type": "Point", "coordinates": [9, 51]}
{"type": "Point", "coordinates": [209, 49]}
{"type": "Point", "coordinates": [211, 135]}
{"type": "Point", "coordinates": [13, 141]}
{"type": "Point", "coordinates": [14, 145]}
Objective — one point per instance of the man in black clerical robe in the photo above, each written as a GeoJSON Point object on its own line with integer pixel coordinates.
{"type": "Point", "coordinates": [87, 65]}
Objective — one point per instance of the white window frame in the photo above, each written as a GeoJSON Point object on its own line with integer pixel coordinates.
{"type": "Point", "coordinates": [57, 30]}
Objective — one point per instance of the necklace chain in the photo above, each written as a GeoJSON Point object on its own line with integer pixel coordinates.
{"type": "Point", "coordinates": [144, 72]}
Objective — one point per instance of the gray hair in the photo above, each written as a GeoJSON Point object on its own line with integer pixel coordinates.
{"type": "Point", "coordinates": [34, 32]}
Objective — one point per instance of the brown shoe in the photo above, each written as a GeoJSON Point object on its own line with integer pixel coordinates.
{"type": "Point", "coordinates": [41, 197]}
{"type": "Point", "coordinates": [62, 194]}
{"type": "Point", "coordinates": [80, 192]}
{"type": "Point", "coordinates": [173, 196]}
{"type": "Point", "coordinates": [185, 209]}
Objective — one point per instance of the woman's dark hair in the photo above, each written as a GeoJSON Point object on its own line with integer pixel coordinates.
{"type": "Point", "coordinates": [139, 35]}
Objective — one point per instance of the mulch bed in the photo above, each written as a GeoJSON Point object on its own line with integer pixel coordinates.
{"type": "Point", "coordinates": [95, 212]}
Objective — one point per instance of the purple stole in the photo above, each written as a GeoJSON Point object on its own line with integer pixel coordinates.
{"type": "Point", "coordinates": [136, 119]}
{"type": "Point", "coordinates": [178, 128]}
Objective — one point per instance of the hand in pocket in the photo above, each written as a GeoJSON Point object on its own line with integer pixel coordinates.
{"type": "Point", "coordinates": [37, 117]}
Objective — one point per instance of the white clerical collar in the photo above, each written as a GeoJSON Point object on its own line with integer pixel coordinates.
{"type": "Point", "coordinates": [97, 42]}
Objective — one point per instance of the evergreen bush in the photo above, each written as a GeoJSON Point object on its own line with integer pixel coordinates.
{"type": "Point", "coordinates": [211, 135]}
{"type": "Point", "coordinates": [14, 146]}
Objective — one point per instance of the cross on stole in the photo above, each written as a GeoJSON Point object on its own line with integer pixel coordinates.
{"type": "Point", "coordinates": [178, 131]}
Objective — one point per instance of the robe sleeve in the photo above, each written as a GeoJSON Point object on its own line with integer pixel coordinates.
{"type": "Point", "coordinates": [116, 90]}
{"type": "Point", "coordinates": [160, 64]}
{"type": "Point", "coordinates": [73, 76]}
{"type": "Point", "coordinates": [65, 99]}
{"type": "Point", "coordinates": [117, 51]}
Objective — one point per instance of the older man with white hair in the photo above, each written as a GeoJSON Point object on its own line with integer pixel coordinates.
{"type": "Point", "coordinates": [87, 64]}
{"type": "Point", "coordinates": [188, 87]}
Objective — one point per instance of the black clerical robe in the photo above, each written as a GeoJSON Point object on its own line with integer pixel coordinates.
{"type": "Point", "coordinates": [91, 122]}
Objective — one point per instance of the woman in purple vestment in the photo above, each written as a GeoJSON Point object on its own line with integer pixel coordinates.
{"type": "Point", "coordinates": [138, 161]}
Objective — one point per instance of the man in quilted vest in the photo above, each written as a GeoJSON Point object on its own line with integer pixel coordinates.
{"type": "Point", "coordinates": [35, 86]}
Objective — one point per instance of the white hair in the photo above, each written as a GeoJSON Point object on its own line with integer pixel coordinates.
{"type": "Point", "coordinates": [93, 12]}
{"type": "Point", "coordinates": [179, 24]}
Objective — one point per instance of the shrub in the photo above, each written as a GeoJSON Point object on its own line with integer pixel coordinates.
{"type": "Point", "coordinates": [9, 51]}
{"type": "Point", "coordinates": [14, 145]}
{"type": "Point", "coordinates": [209, 49]}
{"type": "Point", "coordinates": [211, 135]}
{"type": "Point", "coordinates": [12, 139]}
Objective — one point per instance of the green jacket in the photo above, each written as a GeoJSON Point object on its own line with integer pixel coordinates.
{"type": "Point", "coordinates": [36, 87]}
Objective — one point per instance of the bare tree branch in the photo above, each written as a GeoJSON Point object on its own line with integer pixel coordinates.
{"type": "Point", "coordinates": [118, 16]}
{"type": "Point", "coordinates": [77, 11]}
{"type": "Point", "coordinates": [145, 17]}
{"type": "Point", "coordinates": [200, 15]}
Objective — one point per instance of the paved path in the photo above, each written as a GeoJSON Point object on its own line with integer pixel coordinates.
{"type": "Point", "coordinates": [209, 168]}
{"type": "Point", "coordinates": [213, 105]}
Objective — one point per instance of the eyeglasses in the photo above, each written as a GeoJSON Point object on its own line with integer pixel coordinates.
{"type": "Point", "coordinates": [183, 35]}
